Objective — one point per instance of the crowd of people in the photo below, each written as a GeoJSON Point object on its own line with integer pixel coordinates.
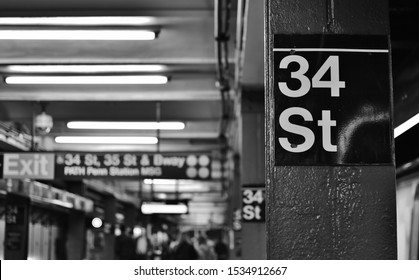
{"type": "Point", "coordinates": [182, 247]}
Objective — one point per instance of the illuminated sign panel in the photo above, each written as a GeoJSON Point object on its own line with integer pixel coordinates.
{"type": "Point", "coordinates": [28, 165]}
{"type": "Point", "coordinates": [157, 165]}
{"type": "Point", "coordinates": [73, 165]}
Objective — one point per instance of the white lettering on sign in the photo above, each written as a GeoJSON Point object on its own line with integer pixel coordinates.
{"type": "Point", "coordinates": [125, 171]}
{"type": "Point", "coordinates": [92, 171]}
{"type": "Point", "coordinates": [252, 212]}
{"type": "Point", "coordinates": [326, 122]}
{"type": "Point", "coordinates": [174, 161]}
{"type": "Point", "coordinates": [151, 171]}
{"type": "Point", "coordinates": [74, 170]}
{"type": "Point", "coordinates": [253, 201]}
{"type": "Point", "coordinates": [30, 165]}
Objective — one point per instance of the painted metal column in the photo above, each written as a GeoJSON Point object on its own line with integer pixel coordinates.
{"type": "Point", "coordinates": [76, 233]}
{"type": "Point", "coordinates": [253, 166]}
{"type": "Point", "coordinates": [327, 211]}
{"type": "Point", "coordinates": [110, 204]}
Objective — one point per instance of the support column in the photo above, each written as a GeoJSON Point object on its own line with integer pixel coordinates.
{"type": "Point", "coordinates": [110, 211]}
{"type": "Point", "coordinates": [253, 166]}
{"type": "Point", "coordinates": [327, 211]}
{"type": "Point", "coordinates": [76, 233]}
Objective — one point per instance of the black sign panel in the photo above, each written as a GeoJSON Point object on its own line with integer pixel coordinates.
{"type": "Point", "coordinates": [253, 203]}
{"type": "Point", "coordinates": [165, 166]}
{"type": "Point", "coordinates": [332, 100]}
{"type": "Point", "coordinates": [17, 227]}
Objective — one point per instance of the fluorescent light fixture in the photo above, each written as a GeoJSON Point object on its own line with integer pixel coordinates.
{"type": "Point", "coordinates": [406, 125]}
{"type": "Point", "coordinates": [195, 188]}
{"type": "Point", "coordinates": [149, 181]}
{"type": "Point", "coordinates": [160, 181]}
{"type": "Point", "coordinates": [162, 208]}
{"type": "Point", "coordinates": [105, 140]}
{"type": "Point", "coordinates": [78, 34]}
{"type": "Point", "coordinates": [86, 68]}
{"type": "Point", "coordinates": [59, 202]}
{"type": "Point", "coordinates": [88, 80]}
{"type": "Point", "coordinates": [78, 21]}
{"type": "Point", "coordinates": [126, 125]}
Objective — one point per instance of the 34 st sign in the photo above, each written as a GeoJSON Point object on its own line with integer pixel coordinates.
{"type": "Point", "coordinates": [332, 100]}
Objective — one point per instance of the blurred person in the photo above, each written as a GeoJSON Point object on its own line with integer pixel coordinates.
{"type": "Point", "coordinates": [184, 249]}
{"type": "Point", "coordinates": [95, 243]}
{"type": "Point", "coordinates": [125, 245]}
{"type": "Point", "coordinates": [221, 249]}
{"type": "Point", "coordinates": [205, 252]}
{"type": "Point", "coordinates": [142, 248]}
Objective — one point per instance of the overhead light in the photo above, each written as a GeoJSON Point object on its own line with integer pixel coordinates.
{"type": "Point", "coordinates": [78, 21]}
{"type": "Point", "coordinates": [97, 222]}
{"type": "Point", "coordinates": [149, 181]}
{"type": "Point", "coordinates": [163, 208]}
{"type": "Point", "coordinates": [59, 202]}
{"type": "Point", "coordinates": [406, 125]}
{"type": "Point", "coordinates": [86, 68]}
{"type": "Point", "coordinates": [180, 188]}
{"type": "Point", "coordinates": [105, 140]}
{"type": "Point", "coordinates": [160, 181]}
{"type": "Point", "coordinates": [78, 34]}
{"type": "Point", "coordinates": [126, 125]}
{"type": "Point", "coordinates": [120, 79]}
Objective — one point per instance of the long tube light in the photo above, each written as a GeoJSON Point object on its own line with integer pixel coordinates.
{"type": "Point", "coordinates": [179, 189]}
{"type": "Point", "coordinates": [160, 181]}
{"type": "Point", "coordinates": [105, 140]}
{"type": "Point", "coordinates": [86, 68]}
{"type": "Point", "coordinates": [78, 34]}
{"type": "Point", "coordinates": [78, 21]}
{"type": "Point", "coordinates": [162, 208]}
{"type": "Point", "coordinates": [126, 125]}
{"type": "Point", "coordinates": [89, 80]}
{"type": "Point", "coordinates": [406, 125]}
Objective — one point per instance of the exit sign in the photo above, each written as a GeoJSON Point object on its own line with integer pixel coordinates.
{"type": "Point", "coordinates": [332, 100]}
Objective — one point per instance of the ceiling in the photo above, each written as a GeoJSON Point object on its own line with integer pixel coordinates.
{"type": "Point", "coordinates": [185, 46]}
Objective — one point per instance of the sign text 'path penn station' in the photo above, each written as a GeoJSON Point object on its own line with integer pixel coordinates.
{"type": "Point", "coordinates": [332, 100]}
{"type": "Point", "coordinates": [92, 165]}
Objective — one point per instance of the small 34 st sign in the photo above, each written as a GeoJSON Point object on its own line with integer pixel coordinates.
{"type": "Point", "coordinates": [332, 100]}
{"type": "Point", "coordinates": [253, 203]}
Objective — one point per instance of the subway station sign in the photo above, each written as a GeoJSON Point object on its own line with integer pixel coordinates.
{"type": "Point", "coordinates": [72, 165]}
{"type": "Point", "coordinates": [253, 203]}
{"type": "Point", "coordinates": [332, 100]}
{"type": "Point", "coordinates": [168, 166]}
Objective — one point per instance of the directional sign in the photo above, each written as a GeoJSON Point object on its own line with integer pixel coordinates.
{"type": "Point", "coordinates": [141, 165]}
{"type": "Point", "coordinates": [332, 100]}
